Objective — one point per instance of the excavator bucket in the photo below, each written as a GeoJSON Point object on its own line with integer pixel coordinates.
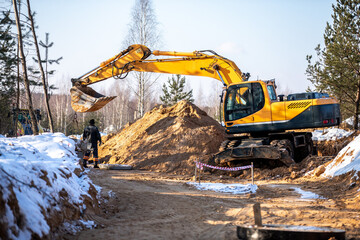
{"type": "Point", "coordinates": [86, 99]}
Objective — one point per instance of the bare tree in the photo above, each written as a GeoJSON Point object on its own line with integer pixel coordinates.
{"type": "Point", "coordinates": [46, 98]}
{"type": "Point", "coordinates": [26, 80]}
{"type": "Point", "coordinates": [213, 100]}
{"type": "Point", "coordinates": [143, 29]}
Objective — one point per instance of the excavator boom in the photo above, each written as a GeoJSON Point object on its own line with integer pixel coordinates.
{"type": "Point", "coordinates": [85, 99]}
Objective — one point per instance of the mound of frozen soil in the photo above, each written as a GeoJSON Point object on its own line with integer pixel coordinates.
{"type": "Point", "coordinates": [341, 175]}
{"type": "Point", "coordinates": [331, 146]}
{"type": "Point", "coordinates": [347, 161]}
{"type": "Point", "coordinates": [42, 187]}
{"type": "Point", "coordinates": [166, 139]}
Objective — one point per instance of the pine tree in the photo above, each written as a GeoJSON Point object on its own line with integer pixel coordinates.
{"type": "Point", "coordinates": [8, 61]}
{"type": "Point", "coordinates": [337, 69]}
{"type": "Point", "coordinates": [175, 93]}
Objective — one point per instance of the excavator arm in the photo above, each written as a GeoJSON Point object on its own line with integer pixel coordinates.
{"type": "Point", "coordinates": [85, 99]}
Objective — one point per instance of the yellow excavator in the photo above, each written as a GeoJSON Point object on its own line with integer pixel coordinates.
{"type": "Point", "coordinates": [257, 121]}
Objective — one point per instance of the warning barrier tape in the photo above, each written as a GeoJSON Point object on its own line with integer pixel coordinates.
{"type": "Point", "coordinates": [202, 165]}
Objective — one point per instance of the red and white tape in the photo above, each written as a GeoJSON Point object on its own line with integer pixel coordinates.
{"type": "Point", "coordinates": [202, 165]}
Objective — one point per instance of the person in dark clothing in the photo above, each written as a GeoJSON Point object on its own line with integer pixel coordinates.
{"type": "Point", "coordinates": [92, 133]}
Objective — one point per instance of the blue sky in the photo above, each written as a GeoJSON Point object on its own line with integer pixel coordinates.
{"type": "Point", "coordinates": [268, 38]}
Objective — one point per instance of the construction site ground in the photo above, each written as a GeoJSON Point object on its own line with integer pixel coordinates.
{"type": "Point", "coordinates": [155, 201]}
{"type": "Point", "coordinates": [151, 205]}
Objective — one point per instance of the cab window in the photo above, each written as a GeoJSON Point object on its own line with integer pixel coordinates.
{"type": "Point", "coordinates": [271, 92]}
{"type": "Point", "coordinates": [243, 100]}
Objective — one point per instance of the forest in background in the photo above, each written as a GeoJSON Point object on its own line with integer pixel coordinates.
{"type": "Point", "coordinates": [111, 118]}
{"type": "Point", "coordinates": [136, 94]}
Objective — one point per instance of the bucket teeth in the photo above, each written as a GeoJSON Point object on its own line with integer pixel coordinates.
{"type": "Point", "coordinates": [86, 99]}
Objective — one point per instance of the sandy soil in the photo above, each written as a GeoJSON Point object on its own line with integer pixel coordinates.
{"type": "Point", "coordinates": [165, 139]}
{"type": "Point", "coordinates": [148, 205]}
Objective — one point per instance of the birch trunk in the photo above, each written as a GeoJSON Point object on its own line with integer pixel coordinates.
{"type": "Point", "coordinates": [34, 126]}
{"type": "Point", "coordinates": [46, 98]}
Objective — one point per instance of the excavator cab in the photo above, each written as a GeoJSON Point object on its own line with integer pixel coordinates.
{"type": "Point", "coordinates": [243, 100]}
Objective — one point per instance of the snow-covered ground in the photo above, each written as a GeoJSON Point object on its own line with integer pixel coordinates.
{"type": "Point", "coordinates": [332, 133]}
{"type": "Point", "coordinates": [37, 176]}
{"type": "Point", "coordinates": [225, 188]}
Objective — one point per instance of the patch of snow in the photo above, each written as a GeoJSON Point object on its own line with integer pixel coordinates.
{"type": "Point", "coordinates": [72, 228]}
{"type": "Point", "coordinates": [307, 194]}
{"type": "Point", "coordinates": [226, 188]}
{"type": "Point", "coordinates": [332, 133]}
{"type": "Point", "coordinates": [111, 194]}
{"type": "Point", "coordinates": [88, 224]}
{"type": "Point", "coordinates": [350, 121]}
{"type": "Point", "coordinates": [35, 170]}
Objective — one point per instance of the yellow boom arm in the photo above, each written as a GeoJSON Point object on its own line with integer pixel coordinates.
{"type": "Point", "coordinates": [85, 99]}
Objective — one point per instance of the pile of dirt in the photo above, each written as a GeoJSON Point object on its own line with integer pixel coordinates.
{"type": "Point", "coordinates": [166, 139]}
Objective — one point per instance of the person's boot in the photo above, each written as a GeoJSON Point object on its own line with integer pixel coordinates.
{"type": "Point", "coordinates": [84, 163]}
{"type": "Point", "coordinates": [96, 164]}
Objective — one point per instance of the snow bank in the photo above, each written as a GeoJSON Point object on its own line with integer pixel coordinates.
{"type": "Point", "coordinates": [37, 176]}
{"type": "Point", "coordinates": [348, 159]}
{"type": "Point", "coordinates": [226, 188]}
{"type": "Point", "coordinates": [330, 134]}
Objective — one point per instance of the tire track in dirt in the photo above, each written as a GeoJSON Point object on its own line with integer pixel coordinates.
{"type": "Point", "coordinates": [149, 205]}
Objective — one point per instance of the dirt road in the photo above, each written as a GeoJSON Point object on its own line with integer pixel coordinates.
{"type": "Point", "coordinates": [149, 205]}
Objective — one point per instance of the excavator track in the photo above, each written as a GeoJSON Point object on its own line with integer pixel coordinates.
{"type": "Point", "coordinates": [245, 150]}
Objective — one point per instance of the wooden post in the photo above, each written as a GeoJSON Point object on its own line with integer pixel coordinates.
{"type": "Point", "coordinates": [252, 173]}
{"type": "Point", "coordinates": [257, 214]}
